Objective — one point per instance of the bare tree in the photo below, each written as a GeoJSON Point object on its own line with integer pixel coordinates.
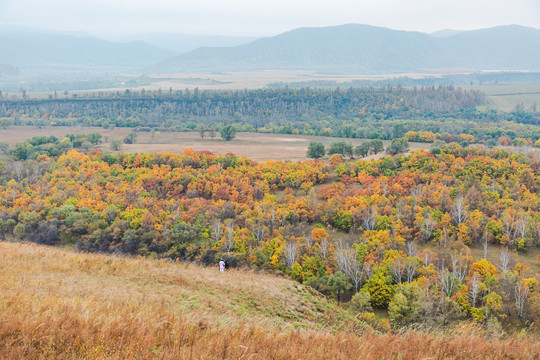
{"type": "Point", "coordinates": [448, 281]}
{"type": "Point", "coordinates": [370, 218]}
{"type": "Point", "coordinates": [348, 264]}
{"type": "Point", "coordinates": [309, 240]}
{"type": "Point", "coordinates": [411, 266]}
{"type": "Point", "coordinates": [217, 229]}
{"type": "Point", "coordinates": [521, 223]}
{"type": "Point", "coordinates": [459, 210]}
{"type": "Point", "coordinates": [485, 244]}
{"type": "Point", "coordinates": [475, 288]}
{"type": "Point", "coordinates": [427, 258]}
{"type": "Point", "coordinates": [397, 270]}
{"type": "Point", "coordinates": [521, 294]}
{"type": "Point", "coordinates": [444, 237]}
{"type": "Point", "coordinates": [411, 249]}
{"type": "Point", "coordinates": [290, 253]}
{"type": "Point", "coordinates": [324, 247]}
{"type": "Point", "coordinates": [504, 259]}
{"type": "Point", "coordinates": [416, 192]}
{"type": "Point", "coordinates": [259, 231]}
{"type": "Point", "coordinates": [428, 225]}
{"type": "Point", "coordinates": [229, 236]}
{"type": "Point", "coordinates": [459, 267]}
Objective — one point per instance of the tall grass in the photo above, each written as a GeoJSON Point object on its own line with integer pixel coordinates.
{"type": "Point", "coordinates": [55, 304]}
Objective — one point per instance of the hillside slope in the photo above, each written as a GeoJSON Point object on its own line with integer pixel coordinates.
{"type": "Point", "coordinates": [30, 48]}
{"type": "Point", "coordinates": [355, 48]}
{"type": "Point", "coordinates": [57, 304]}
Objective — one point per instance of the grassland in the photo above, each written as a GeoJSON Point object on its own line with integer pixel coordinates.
{"type": "Point", "coordinates": [505, 97]}
{"type": "Point", "coordinates": [256, 146]}
{"type": "Point", "coordinates": [58, 304]}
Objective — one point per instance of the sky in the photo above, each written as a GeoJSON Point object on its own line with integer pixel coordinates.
{"type": "Point", "coordinates": [109, 18]}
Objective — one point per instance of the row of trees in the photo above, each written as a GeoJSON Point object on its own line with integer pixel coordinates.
{"type": "Point", "coordinates": [384, 113]}
{"type": "Point", "coordinates": [317, 150]}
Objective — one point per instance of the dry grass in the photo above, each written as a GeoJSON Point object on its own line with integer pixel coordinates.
{"type": "Point", "coordinates": [258, 147]}
{"type": "Point", "coordinates": [57, 304]}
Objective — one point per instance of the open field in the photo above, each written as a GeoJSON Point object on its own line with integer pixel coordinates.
{"type": "Point", "coordinates": [58, 304]}
{"type": "Point", "coordinates": [505, 97]}
{"type": "Point", "coordinates": [256, 146]}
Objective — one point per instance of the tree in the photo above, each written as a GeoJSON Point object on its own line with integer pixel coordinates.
{"type": "Point", "coordinates": [315, 150]}
{"type": "Point", "coordinates": [376, 146]}
{"type": "Point", "coordinates": [4, 147]}
{"type": "Point", "coordinates": [504, 259]}
{"type": "Point", "coordinates": [341, 148]}
{"type": "Point", "coordinates": [459, 210]}
{"type": "Point", "coordinates": [228, 132]}
{"type": "Point", "coordinates": [116, 145]}
{"type": "Point", "coordinates": [398, 146]}
{"type": "Point", "coordinates": [6, 227]}
{"type": "Point", "coordinates": [349, 264]}
{"type": "Point", "coordinates": [361, 302]}
{"type": "Point", "coordinates": [290, 253]}
{"type": "Point", "coordinates": [130, 138]}
{"type": "Point", "coordinates": [362, 149]}
{"type": "Point", "coordinates": [202, 131]}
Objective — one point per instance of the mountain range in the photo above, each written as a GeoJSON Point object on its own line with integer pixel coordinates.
{"type": "Point", "coordinates": [364, 49]}
{"type": "Point", "coordinates": [350, 48]}
{"type": "Point", "coordinates": [49, 49]}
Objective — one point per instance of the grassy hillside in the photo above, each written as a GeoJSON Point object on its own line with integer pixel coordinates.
{"type": "Point", "coordinates": [58, 304]}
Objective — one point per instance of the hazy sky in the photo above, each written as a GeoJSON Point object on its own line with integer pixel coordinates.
{"type": "Point", "coordinates": [263, 17]}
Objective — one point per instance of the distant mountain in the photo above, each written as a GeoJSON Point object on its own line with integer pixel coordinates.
{"type": "Point", "coordinates": [33, 47]}
{"type": "Point", "coordinates": [445, 32]}
{"type": "Point", "coordinates": [366, 49]}
{"type": "Point", "coordinates": [510, 47]}
{"type": "Point", "coordinates": [182, 43]}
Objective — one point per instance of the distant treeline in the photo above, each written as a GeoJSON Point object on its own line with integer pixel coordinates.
{"type": "Point", "coordinates": [446, 80]}
{"type": "Point", "coordinates": [385, 112]}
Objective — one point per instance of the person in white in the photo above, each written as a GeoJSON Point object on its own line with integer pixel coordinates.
{"type": "Point", "coordinates": [221, 265]}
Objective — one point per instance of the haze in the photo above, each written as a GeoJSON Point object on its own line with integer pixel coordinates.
{"type": "Point", "coordinates": [108, 18]}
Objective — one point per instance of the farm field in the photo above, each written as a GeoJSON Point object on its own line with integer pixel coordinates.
{"type": "Point", "coordinates": [256, 146]}
{"type": "Point", "coordinates": [505, 97]}
{"type": "Point", "coordinates": [99, 306]}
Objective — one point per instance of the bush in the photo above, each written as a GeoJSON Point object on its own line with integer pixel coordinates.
{"type": "Point", "coordinates": [361, 302]}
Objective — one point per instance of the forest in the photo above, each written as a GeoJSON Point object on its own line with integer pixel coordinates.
{"type": "Point", "coordinates": [430, 237]}
{"type": "Point", "coordinates": [371, 112]}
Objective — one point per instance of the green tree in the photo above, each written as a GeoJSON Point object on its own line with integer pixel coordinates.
{"type": "Point", "coordinates": [228, 132]}
{"type": "Point", "coordinates": [130, 138]}
{"type": "Point", "coordinates": [116, 144]}
{"type": "Point", "coordinates": [341, 148]}
{"type": "Point", "coordinates": [362, 149]}
{"type": "Point", "coordinates": [6, 227]}
{"type": "Point", "coordinates": [315, 150]}
{"type": "Point", "coordinates": [380, 288]}
{"type": "Point", "coordinates": [404, 303]}
{"type": "Point", "coordinates": [361, 302]}
{"type": "Point", "coordinates": [398, 146]}
{"type": "Point", "coordinates": [376, 146]}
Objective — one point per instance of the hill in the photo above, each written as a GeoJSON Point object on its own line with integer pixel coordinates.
{"type": "Point", "coordinates": [355, 48]}
{"type": "Point", "coordinates": [39, 48]}
{"type": "Point", "coordinates": [57, 304]}
{"type": "Point", "coordinates": [182, 43]}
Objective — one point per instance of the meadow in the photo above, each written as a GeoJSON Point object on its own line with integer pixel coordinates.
{"type": "Point", "coordinates": [256, 146]}
{"type": "Point", "coordinates": [60, 304]}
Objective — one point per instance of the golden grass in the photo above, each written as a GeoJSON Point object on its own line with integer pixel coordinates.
{"type": "Point", "coordinates": [57, 304]}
